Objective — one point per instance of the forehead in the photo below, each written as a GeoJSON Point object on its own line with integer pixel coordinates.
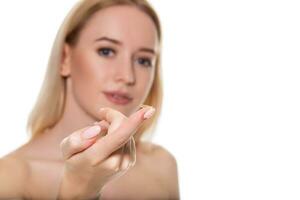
{"type": "Point", "coordinates": [122, 22]}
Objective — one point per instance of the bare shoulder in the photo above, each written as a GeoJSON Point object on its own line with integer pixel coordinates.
{"type": "Point", "coordinates": [158, 153]}
{"type": "Point", "coordinates": [13, 175]}
{"type": "Point", "coordinates": [164, 165]}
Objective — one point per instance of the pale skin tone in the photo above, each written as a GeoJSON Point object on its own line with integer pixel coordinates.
{"type": "Point", "coordinates": [35, 170]}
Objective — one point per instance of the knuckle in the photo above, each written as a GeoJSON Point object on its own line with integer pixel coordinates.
{"type": "Point", "coordinates": [113, 163]}
{"type": "Point", "coordinates": [74, 142]}
{"type": "Point", "coordinates": [92, 161]}
{"type": "Point", "coordinates": [104, 124]}
{"type": "Point", "coordinates": [118, 115]}
{"type": "Point", "coordinates": [63, 143]}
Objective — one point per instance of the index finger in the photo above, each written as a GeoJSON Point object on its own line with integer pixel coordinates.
{"type": "Point", "coordinates": [112, 142]}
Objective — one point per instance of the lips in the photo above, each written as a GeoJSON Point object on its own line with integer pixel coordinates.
{"type": "Point", "coordinates": [118, 97]}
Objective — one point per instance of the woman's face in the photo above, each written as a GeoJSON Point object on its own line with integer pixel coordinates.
{"type": "Point", "coordinates": [113, 63]}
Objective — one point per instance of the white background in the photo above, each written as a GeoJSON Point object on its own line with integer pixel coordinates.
{"type": "Point", "coordinates": [232, 103]}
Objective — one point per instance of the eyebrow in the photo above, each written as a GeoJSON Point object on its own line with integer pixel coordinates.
{"type": "Point", "coordinates": [145, 49]}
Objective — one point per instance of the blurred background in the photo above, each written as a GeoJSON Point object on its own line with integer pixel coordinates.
{"type": "Point", "coordinates": [231, 73]}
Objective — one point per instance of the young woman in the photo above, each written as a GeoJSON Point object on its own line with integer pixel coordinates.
{"type": "Point", "coordinates": [87, 125]}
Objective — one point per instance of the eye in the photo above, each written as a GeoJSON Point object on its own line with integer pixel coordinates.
{"type": "Point", "coordinates": [106, 52]}
{"type": "Point", "coordinates": [145, 61]}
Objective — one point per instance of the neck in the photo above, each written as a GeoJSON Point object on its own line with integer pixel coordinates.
{"type": "Point", "coordinates": [74, 117]}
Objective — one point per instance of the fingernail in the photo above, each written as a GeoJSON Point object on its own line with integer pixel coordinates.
{"type": "Point", "coordinates": [91, 132]}
{"type": "Point", "coordinates": [149, 113]}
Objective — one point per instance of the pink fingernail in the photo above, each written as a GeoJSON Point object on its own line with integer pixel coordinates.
{"type": "Point", "coordinates": [149, 113]}
{"type": "Point", "coordinates": [91, 132]}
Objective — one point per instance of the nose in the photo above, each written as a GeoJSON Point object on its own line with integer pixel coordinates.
{"type": "Point", "coordinates": [125, 72]}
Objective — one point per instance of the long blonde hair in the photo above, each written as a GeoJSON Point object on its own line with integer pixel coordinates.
{"type": "Point", "coordinates": [50, 103]}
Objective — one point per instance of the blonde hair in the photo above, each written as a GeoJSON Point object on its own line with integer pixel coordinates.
{"type": "Point", "coordinates": [50, 103]}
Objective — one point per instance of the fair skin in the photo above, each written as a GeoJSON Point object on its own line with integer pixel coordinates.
{"type": "Point", "coordinates": [91, 68]}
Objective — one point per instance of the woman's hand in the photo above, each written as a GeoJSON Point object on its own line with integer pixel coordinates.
{"type": "Point", "coordinates": [92, 158]}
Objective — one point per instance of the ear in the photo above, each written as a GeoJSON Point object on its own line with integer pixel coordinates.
{"type": "Point", "coordinates": [65, 69]}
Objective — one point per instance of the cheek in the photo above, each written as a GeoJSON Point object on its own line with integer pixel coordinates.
{"type": "Point", "coordinates": [145, 81]}
{"type": "Point", "coordinates": [87, 76]}
{"type": "Point", "coordinates": [80, 73]}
